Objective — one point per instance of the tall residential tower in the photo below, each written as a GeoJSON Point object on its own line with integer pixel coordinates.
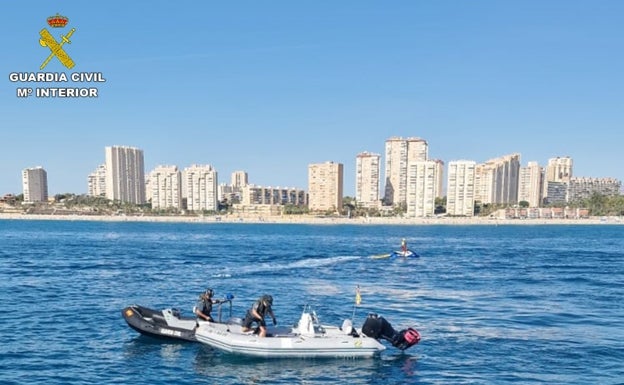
{"type": "Point", "coordinates": [559, 169]}
{"type": "Point", "coordinates": [201, 188]}
{"type": "Point", "coordinates": [97, 182]}
{"type": "Point", "coordinates": [496, 181]}
{"type": "Point", "coordinates": [422, 186]}
{"type": "Point", "coordinates": [367, 179]}
{"type": "Point", "coordinates": [399, 154]}
{"type": "Point", "coordinates": [125, 174]}
{"type": "Point", "coordinates": [460, 189]}
{"type": "Point", "coordinates": [35, 185]}
{"type": "Point", "coordinates": [325, 186]}
{"type": "Point", "coordinates": [165, 187]}
{"type": "Point", "coordinates": [240, 179]}
{"type": "Point", "coordinates": [531, 186]}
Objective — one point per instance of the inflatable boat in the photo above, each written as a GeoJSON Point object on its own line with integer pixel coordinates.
{"type": "Point", "coordinates": [166, 323]}
{"type": "Point", "coordinates": [308, 338]}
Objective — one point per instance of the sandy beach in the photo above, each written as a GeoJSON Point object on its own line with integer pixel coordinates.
{"type": "Point", "coordinates": [316, 220]}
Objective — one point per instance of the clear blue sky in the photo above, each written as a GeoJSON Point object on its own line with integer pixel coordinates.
{"type": "Point", "coordinates": [271, 86]}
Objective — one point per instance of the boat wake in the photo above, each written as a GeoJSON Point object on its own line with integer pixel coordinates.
{"type": "Point", "coordinates": [307, 263]}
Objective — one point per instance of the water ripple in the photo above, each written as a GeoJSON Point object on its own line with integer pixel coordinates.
{"type": "Point", "coordinates": [495, 305]}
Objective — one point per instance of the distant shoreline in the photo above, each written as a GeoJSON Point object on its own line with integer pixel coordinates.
{"type": "Point", "coordinates": [314, 220]}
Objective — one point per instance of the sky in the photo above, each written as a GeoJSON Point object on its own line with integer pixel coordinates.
{"type": "Point", "coordinates": [269, 87]}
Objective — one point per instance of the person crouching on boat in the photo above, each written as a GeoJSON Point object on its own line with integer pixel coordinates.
{"type": "Point", "coordinates": [258, 311]}
{"type": "Point", "coordinates": [204, 306]}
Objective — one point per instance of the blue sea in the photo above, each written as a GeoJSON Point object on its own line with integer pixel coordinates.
{"type": "Point", "coordinates": [500, 304]}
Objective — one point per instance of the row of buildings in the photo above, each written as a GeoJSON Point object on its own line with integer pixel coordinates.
{"type": "Point", "coordinates": [415, 181]}
{"type": "Point", "coordinates": [193, 188]}
{"type": "Point", "coordinates": [122, 178]}
{"type": "Point", "coordinates": [411, 181]}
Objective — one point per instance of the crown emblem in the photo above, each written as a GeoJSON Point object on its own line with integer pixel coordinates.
{"type": "Point", "coordinates": [58, 21]}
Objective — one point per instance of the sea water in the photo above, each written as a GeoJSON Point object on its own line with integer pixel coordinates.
{"type": "Point", "coordinates": [517, 304]}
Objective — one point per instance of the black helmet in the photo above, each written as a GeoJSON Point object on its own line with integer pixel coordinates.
{"type": "Point", "coordinates": [267, 300]}
{"type": "Point", "coordinates": [209, 293]}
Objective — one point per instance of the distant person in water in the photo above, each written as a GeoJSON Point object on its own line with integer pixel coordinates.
{"type": "Point", "coordinates": [258, 311]}
{"type": "Point", "coordinates": [404, 246]}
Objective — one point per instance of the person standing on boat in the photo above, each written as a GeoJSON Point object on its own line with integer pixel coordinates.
{"type": "Point", "coordinates": [258, 311]}
{"type": "Point", "coordinates": [404, 246]}
{"type": "Point", "coordinates": [204, 305]}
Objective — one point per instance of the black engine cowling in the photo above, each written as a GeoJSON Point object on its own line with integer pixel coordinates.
{"type": "Point", "coordinates": [377, 327]}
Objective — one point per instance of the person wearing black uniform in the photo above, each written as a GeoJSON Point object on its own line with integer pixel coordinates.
{"type": "Point", "coordinates": [256, 314]}
{"type": "Point", "coordinates": [204, 305]}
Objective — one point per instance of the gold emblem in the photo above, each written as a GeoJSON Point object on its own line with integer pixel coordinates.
{"type": "Point", "coordinates": [56, 48]}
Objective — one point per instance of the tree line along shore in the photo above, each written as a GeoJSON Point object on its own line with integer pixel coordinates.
{"type": "Point", "coordinates": [311, 219]}
{"type": "Point", "coordinates": [597, 210]}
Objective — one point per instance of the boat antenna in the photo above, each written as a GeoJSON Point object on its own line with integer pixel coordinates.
{"type": "Point", "coordinates": [358, 300]}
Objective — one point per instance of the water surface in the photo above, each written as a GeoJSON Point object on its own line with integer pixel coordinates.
{"type": "Point", "coordinates": [494, 304]}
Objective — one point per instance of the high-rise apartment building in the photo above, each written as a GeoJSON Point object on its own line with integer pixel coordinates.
{"type": "Point", "coordinates": [399, 154]}
{"type": "Point", "coordinates": [496, 181]}
{"type": "Point", "coordinates": [439, 178]}
{"type": "Point", "coordinates": [35, 185]}
{"type": "Point", "coordinates": [460, 189]}
{"type": "Point", "coordinates": [239, 179]}
{"type": "Point", "coordinates": [233, 192]}
{"type": "Point", "coordinates": [325, 186]}
{"type": "Point", "coordinates": [559, 169]}
{"type": "Point", "coordinates": [201, 188]}
{"type": "Point", "coordinates": [367, 166]}
{"type": "Point", "coordinates": [97, 182]}
{"type": "Point", "coordinates": [531, 184]}
{"type": "Point", "coordinates": [165, 187]}
{"type": "Point", "coordinates": [483, 184]}
{"type": "Point", "coordinates": [226, 192]}
{"type": "Point", "coordinates": [422, 185]}
{"type": "Point", "coordinates": [125, 174]}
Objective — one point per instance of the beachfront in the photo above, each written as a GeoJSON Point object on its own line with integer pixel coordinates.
{"type": "Point", "coordinates": [316, 220]}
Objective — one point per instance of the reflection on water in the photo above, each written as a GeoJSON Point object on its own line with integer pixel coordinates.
{"type": "Point", "coordinates": [248, 370]}
{"type": "Point", "coordinates": [214, 365]}
{"type": "Point", "coordinates": [142, 345]}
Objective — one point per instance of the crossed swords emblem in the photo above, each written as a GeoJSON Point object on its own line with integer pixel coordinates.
{"type": "Point", "coordinates": [47, 40]}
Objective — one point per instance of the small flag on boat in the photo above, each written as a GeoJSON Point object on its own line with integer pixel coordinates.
{"type": "Point", "coordinates": [358, 297]}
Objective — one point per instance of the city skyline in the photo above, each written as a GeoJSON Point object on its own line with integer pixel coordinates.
{"type": "Point", "coordinates": [419, 180]}
{"type": "Point", "coordinates": [497, 181]}
{"type": "Point", "coordinates": [272, 88]}
{"type": "Point", "coordinates": [438, 166]}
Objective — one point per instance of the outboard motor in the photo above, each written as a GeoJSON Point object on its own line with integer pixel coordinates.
{"type": "Point", "coordinates": [377, 327]}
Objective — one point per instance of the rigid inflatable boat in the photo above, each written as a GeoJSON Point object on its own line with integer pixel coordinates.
{"type": "Point", "coordinates": [308, 338]}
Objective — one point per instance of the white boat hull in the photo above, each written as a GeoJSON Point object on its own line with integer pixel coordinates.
{"type": "Point", "coordinates": [287, 342]}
